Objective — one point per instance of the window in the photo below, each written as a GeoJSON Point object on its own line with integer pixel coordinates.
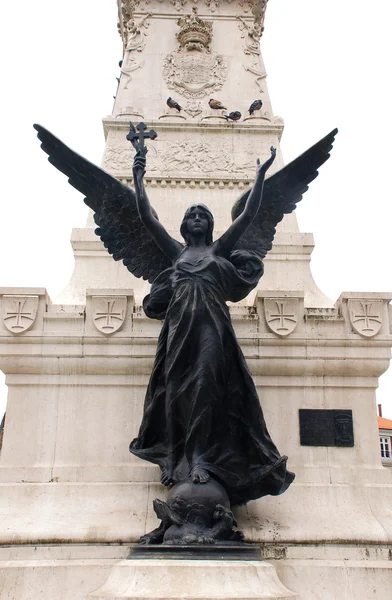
{"type": "Point", "coordinates": [385, 445]}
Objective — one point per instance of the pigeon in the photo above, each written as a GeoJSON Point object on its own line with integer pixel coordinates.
{"type": "Point", "coordinates": [256, 105]}
{"type": "Point", "coordinates": [216, 104]}
{"type": "Point", "coordinates": [233, 116]}
{"type": "Point", "coordinates": [173, 104]}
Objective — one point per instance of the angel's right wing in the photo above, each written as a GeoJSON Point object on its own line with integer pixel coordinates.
{"type": "Point", "coordinates": [114, 206]}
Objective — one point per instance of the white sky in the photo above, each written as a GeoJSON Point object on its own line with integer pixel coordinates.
{"type": "Point", "coordinates": [329, 64]}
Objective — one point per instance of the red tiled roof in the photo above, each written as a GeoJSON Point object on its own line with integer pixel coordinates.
{"type": "Point", "coordinates": [384, 423]}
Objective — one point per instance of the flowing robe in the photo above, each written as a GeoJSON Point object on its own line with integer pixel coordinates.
{"type": "Point", "coordinates": [201, 406]}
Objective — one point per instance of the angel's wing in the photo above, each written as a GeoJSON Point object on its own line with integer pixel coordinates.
{"type": "Point", "coordinates": [114, 206]}
{"type": "Point", "coordinates": [281, 193]}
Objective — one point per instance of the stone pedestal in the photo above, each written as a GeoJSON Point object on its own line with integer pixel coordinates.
{"type": "Point", "coordinates": [192, 580]}
{"type": "Point", "coordinates": [72, 498]}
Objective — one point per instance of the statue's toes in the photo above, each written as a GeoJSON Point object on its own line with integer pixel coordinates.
{"type": "Point", "coordinates": [166, 480]}
{"type": "Point", "coordinates": [204, 477]}
{"type": "Point", "coordinates": [199, 475]}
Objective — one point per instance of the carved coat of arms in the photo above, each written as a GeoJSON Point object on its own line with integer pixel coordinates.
{"type": "Point", "coordinates": [19, 312]}
{"type": "Point", "coordinates": [192, 70]}
{"type": "Point", "coordinates": [365, 316]}
{"type": "Point", "coordinates": [194, 74]}
{"type": "Point", "coordinates": [281, 314]}
{"type": "Point", "coordinates": [109, 313]}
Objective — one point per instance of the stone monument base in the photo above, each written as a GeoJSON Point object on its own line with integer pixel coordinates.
{"type": "Point", "coordinates": [91, 571]}
{"type": "Point", "coordinates": [194, 573]}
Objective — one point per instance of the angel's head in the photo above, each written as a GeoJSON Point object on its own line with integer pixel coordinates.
{"type": "Point", "coordinates": [197, 221]}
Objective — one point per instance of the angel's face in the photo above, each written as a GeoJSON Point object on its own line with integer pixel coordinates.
{"type": "Point", "coordinates": [197, 222]}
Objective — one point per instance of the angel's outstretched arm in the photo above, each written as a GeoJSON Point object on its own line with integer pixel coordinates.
{"type": "Point", "coordinates": [166, 243]}
{"type": "Point", "coordinates": [241, 223]}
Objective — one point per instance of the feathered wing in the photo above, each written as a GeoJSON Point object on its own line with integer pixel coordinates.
{"type": "Point", "coordinates": [114, 206]}
{"type": "Point", "coordinates": [282, 191]}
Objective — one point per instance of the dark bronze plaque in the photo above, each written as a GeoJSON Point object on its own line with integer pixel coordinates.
{"type": "Point", "coordinates": [326, 427]}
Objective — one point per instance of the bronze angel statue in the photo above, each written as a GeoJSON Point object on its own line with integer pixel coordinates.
{"type": "Point", "coordinates": [202, 417]}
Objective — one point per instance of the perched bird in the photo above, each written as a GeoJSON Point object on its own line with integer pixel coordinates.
{"type": "Point", "coordinates": [233, 116]}
{"type": "Point", "coordinates": [216, 104]}
{"type": "Point", "coordinates": [173, 104]}
{"type": "Point", "coordinates": [256, 105]}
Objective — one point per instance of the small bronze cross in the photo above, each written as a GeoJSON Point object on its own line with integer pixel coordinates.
{"type": "Point", "coordinates": [137, 137]}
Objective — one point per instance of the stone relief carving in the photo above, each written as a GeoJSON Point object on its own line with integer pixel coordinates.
{"type": "Point", "coordinates": [322, 314]}
{"type": "Point", "coordinates": [365, 316]}
{"type": "Point", "coordinates": [135, 41]}
{"type": "Point", "coordinates": [192, 70]}
{"type": "Point", "coordinates": [183, 156]}
{"type": "Point", "coordinates": [193, 108]}
{"type": "Point", "coordinates": [19, 312]}
{"type": "Point", "coordinates": [281, 314]}
{"type": "Point", "coordinates": [195, 34]}
{"type": "Point", "coordinates": [135, 34]}
{"type": "Point", "coordinates": [178, 4]}
{"type": "Point", "coordinates": [109, 313]}
{"type": "Point", "coordinates": [127, 8]}
{"type": "Point", "coordinates": [251, 34]}
{"type": "Point", "coordinates": [194, 75]}
{"type": "Point", "coordinates": [118, 154]}
{"type": "Point", "coordinates": [212, 4]}
{"type": "Point", "coordinates": [202, 157]}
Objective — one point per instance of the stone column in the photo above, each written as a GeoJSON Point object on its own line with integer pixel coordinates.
{"type": "Point", "coordinates": [193, 52]}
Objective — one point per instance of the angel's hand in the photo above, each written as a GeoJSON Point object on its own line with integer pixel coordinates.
{"type": "Point", "coordinates": [139, 164]}
{"type": "Point", "coordinates": [263, 168]}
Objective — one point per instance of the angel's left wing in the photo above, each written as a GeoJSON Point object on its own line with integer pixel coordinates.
{"type": "Point", "coordinates": [114, 206]}
{"type": "Point", "coordinates": [282, 191]}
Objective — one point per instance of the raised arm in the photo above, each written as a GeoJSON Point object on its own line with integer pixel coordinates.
{"type": "Point", "coordinates": [166, 243]}
{"type": "Point", "coordinates": [242, 222]}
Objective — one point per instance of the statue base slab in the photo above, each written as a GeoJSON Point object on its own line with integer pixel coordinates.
{"type": "Point", "coordinates": [192, 579]}
{"type": "Point", "coordinates": [356, 571]}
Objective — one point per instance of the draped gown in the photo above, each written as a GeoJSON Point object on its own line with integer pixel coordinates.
{"type": "Point", "coordinates": [201, 406]}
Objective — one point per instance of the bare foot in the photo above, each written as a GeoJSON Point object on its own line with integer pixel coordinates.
{"type": "Point", "coordinates": [167, 476]}
{"type": "Point", "coordinates": [199, 475]}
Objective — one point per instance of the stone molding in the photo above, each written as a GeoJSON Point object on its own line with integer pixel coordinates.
{"type": "Point", "coordinates": [121, 121]}
{"type": "Point", "coordinates": [340, 322]}
{"type": "Point", "coordinates": [65, 335]}
{"type": "Point", "coordinates": [221, 184]}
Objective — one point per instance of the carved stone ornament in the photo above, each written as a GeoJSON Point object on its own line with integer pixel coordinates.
{"type": "Point", "coordinates": [365, 316]}
{"type": "Point", "coordinates": [192, 70]}
{"type": "Point", "coordinates": [184, 156]}
{"type": "Point", "coordinates": [198, 158]}
{"type": "Point", "coordinates": [194, 74]}
{"type": "Point", "coordinates": [127, 8]}
{"type": "Point", "coordinates": [281, 314]}
{"type": "Point", "coordinates": [135, 41]}
{"type": "Point", "coordinates": [195, 33]}
{"type": "Point", "coordinates": [19, 312]}
{"type": "Point", "coordinates": [109, 313]}
{"type": "Point", "coordinates": [193, 108]}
